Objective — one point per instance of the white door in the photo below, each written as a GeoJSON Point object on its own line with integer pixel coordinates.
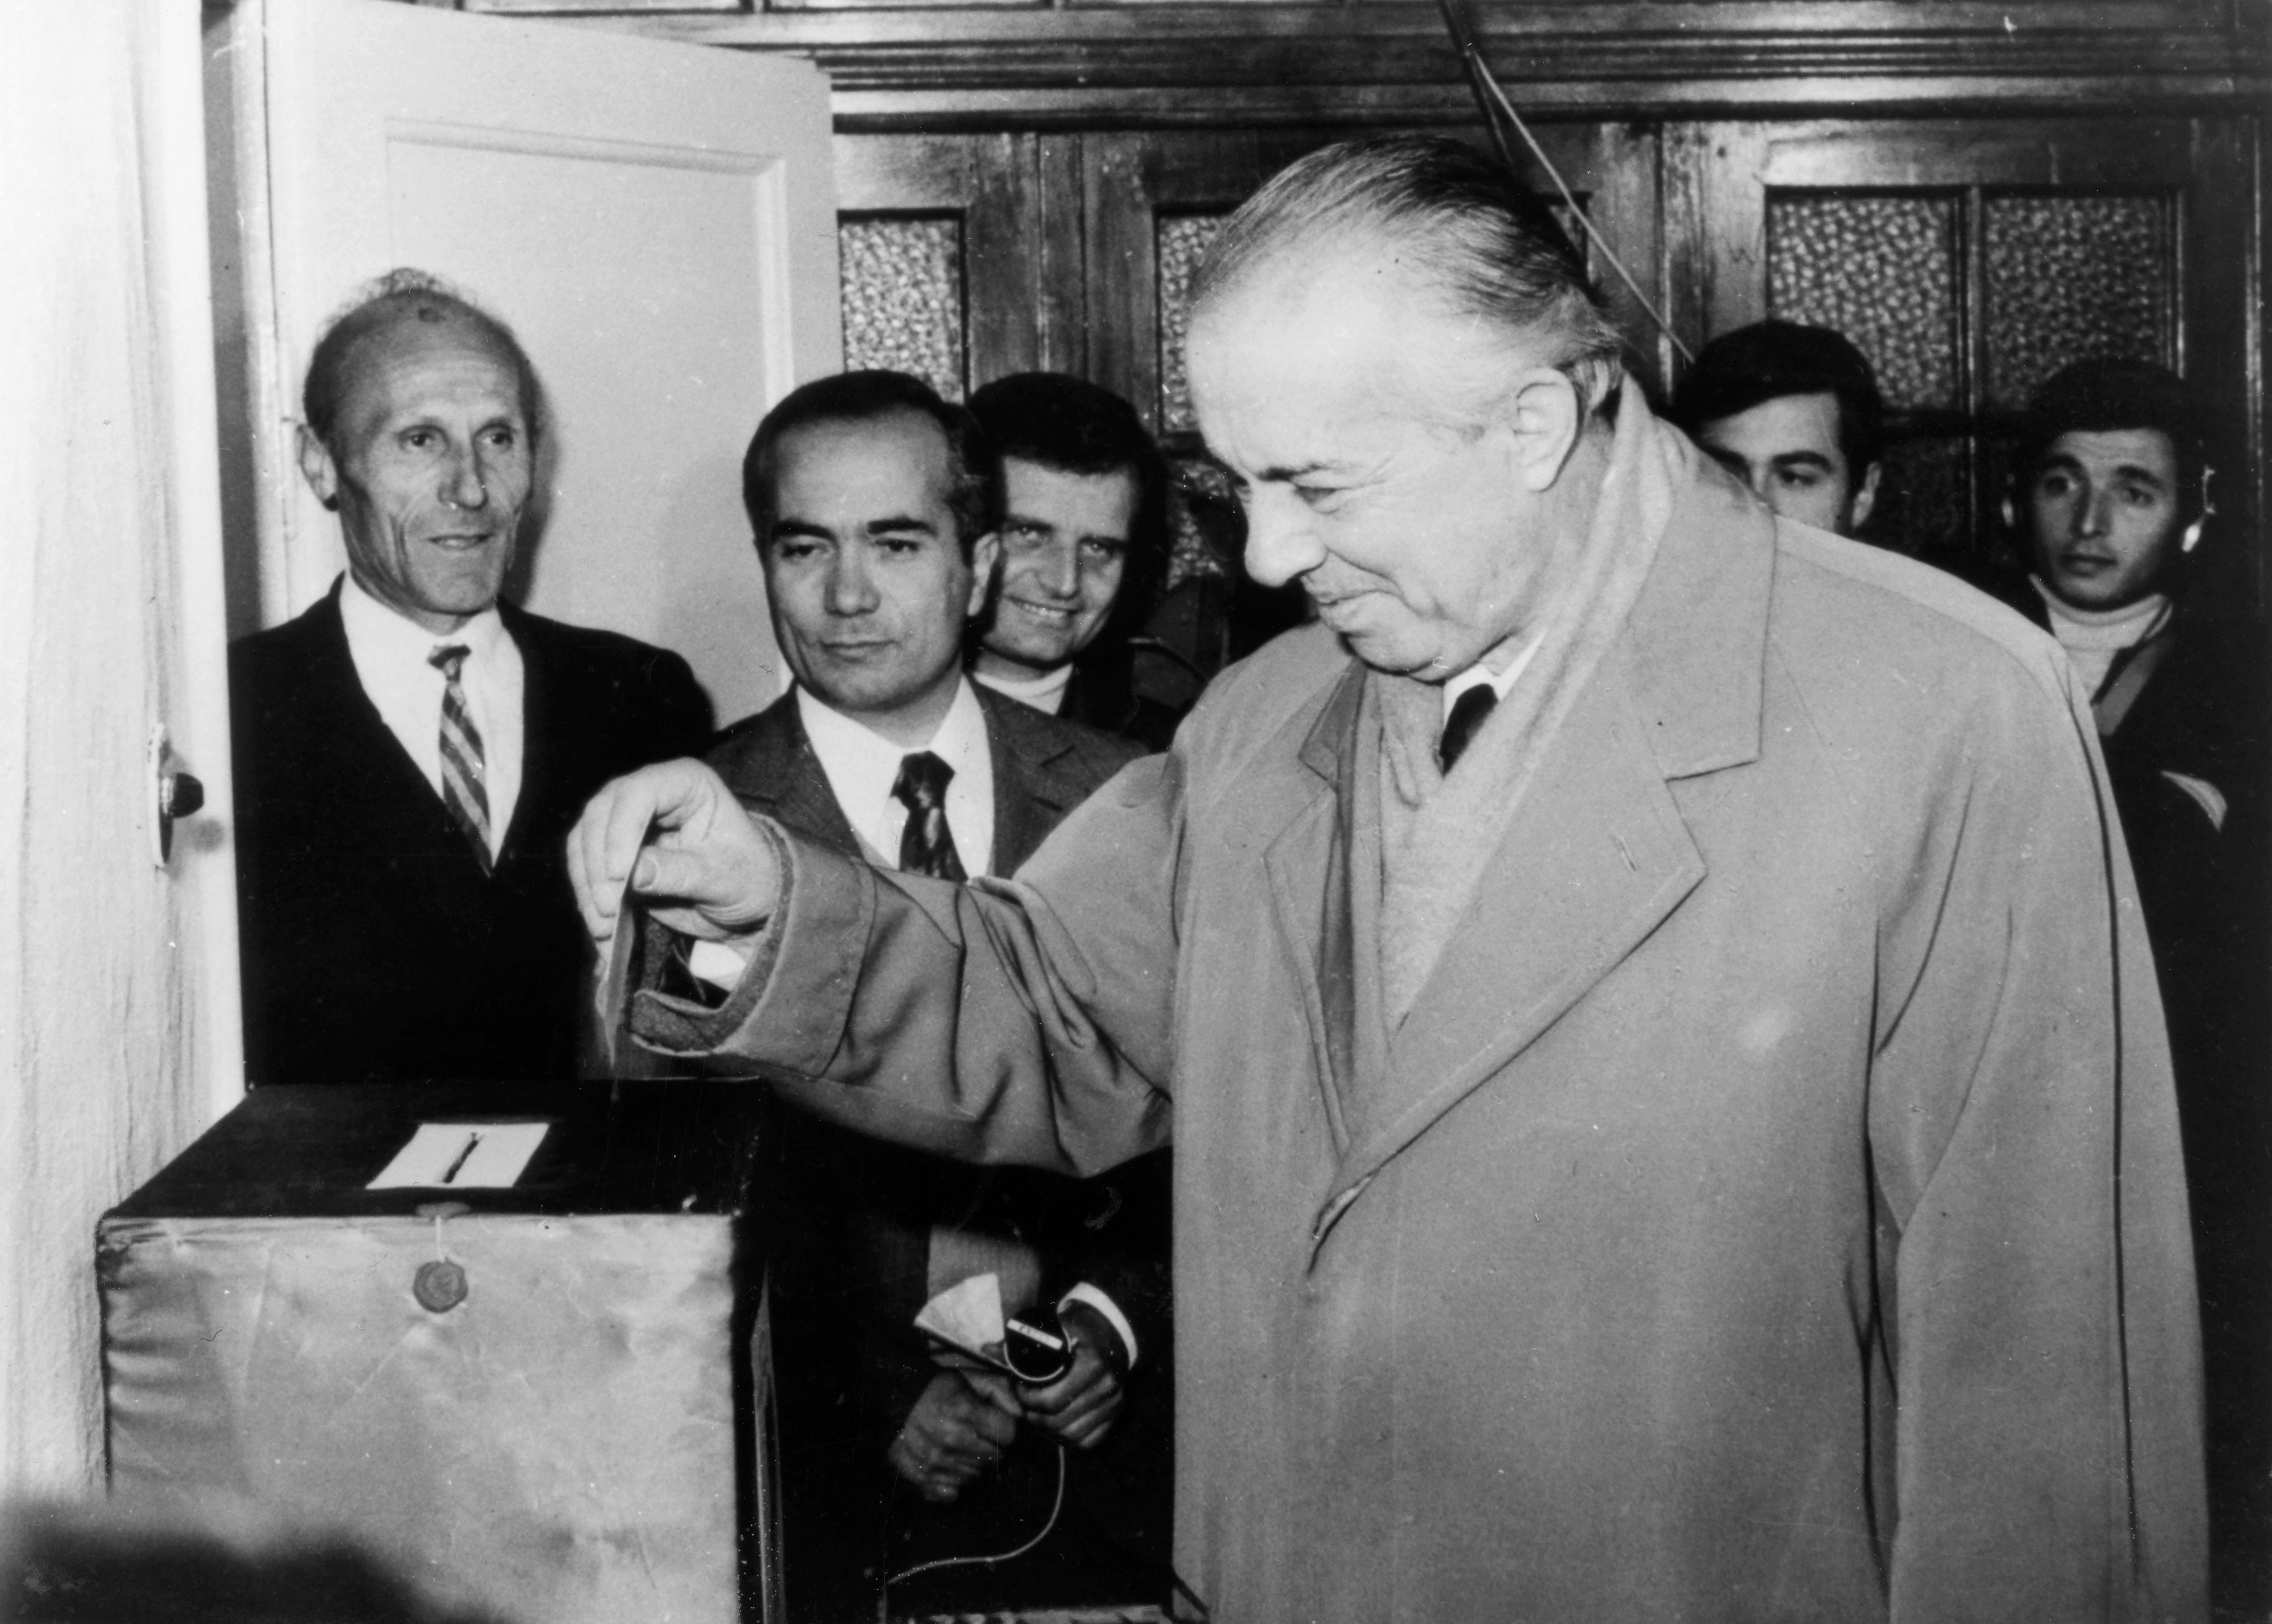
{"type": "Point", "coordinates": [655, 220]}
{"type": "Point", "coordinates": [118, 995]}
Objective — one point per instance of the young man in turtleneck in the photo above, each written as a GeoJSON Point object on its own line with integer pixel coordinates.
{"type": "Point", "coordinates": [2110, 502]}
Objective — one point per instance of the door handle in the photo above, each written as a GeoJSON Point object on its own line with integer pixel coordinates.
{"type": "Point", "coordinates": [177, 795]}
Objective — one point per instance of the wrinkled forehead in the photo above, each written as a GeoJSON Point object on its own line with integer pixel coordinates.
{"type": "Point", "coordinates": [419, 345]}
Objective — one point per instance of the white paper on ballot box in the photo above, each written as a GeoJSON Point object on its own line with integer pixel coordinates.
{"type": "Point", "coordinates": [463, 1156]}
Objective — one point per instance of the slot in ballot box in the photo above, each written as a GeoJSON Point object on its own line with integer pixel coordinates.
{"type": "Point", "coordinates": [527, 1371]}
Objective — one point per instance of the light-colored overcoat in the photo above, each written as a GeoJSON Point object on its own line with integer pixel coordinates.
{"type": "Point", "coordinates": [1771, 1207]}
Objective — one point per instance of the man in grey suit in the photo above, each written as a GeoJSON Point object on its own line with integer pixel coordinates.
{"type": "Point", "coordinates": [872, 504]}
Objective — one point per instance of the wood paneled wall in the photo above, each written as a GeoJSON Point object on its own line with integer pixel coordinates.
{"type": "Point", "coordinates": [1059, 135]}
{"type": "Point", "coordinates": [1042, 64]}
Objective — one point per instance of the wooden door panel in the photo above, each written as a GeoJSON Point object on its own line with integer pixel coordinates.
{"type": "Point", "coordinates": [1970, 259]}
{"type": "Point", "coordinates": [1009, 209]}
{"type": "Point", "coordinates": [1151, 196]}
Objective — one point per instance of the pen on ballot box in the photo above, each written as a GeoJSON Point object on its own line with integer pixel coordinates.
{"type": "Point", "coordinates": [464, 1156]}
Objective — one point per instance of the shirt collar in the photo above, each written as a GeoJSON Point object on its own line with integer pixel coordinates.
{"type": "Point", "coordinates": [390, 636]}
{"type": "Point", "coordinates": [862, 764]}
{"type": "Point", "coordinates": [1481, 673]}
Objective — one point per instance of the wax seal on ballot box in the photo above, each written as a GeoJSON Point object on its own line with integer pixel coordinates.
{"type": "Point", "coordinates": [440, 1285]}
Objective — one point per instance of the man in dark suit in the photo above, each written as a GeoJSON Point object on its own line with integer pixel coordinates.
{"type": "Point", "coordinates": [410, 751]}
{"type": "Point", "coordinates": [1083, 555]}
{"type": "Point", "coordinates": [2111, 502]}
{"type": "Point", "coordinates": [871, 503]}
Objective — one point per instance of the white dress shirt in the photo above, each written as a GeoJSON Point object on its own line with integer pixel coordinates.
{"type": "Point", "coordinates": [863, 765]}
{"type": "Point", "coordinates": [392, 654]}
{"type": "Point", "coordinates": [1481, 673]}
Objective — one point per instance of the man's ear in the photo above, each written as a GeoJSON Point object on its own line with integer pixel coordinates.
{"type": "Point", "coordinates": [1865, 498]}
{"type": "Point", "coordinates": [317, 467]}
{"type": "Point", "coordinates": [1546, 413]}
{"type": "Point", "coordinates": [985, 553]}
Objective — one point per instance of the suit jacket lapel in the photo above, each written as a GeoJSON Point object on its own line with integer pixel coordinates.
{"type": "Point", "coordinates": [540, 766]}
{"type": "Point", "coordinates": [398, 798]}
{"type": "Point", "coordinates": [772, 766]}
{"type": "Point", "coordinates": [1032, 793]}
{"type": "Point", "coordinates": [1308, 862]}
{"type": "Point", "coordinates": [1598, 853]}
{"type": "Point", "coordinates": [1596, 858]}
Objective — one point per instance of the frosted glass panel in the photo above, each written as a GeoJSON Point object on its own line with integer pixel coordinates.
{"type": "Point", "coordinates": [1183, 240]}
{"type": "Point", "coordinates": [1882, 270]}
{"type": "Point", "coordinates": [902, 289]}
{"type": "Point", "coordinates": [2073, 277]}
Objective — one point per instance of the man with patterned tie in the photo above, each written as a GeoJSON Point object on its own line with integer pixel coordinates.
{"type": "Point", "coordinates": [873, 502]}
{"type": "Point", "coordinates": [1709, 1154]}
{"type": "Point", "coordinates": [410, 751]}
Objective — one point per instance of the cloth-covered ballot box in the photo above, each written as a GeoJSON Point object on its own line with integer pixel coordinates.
{"type": "Point", "coordinates": [527, 1371]}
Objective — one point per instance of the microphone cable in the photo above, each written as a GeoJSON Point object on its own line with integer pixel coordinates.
{"type": "Point", "coordinates": [1057, 1506]}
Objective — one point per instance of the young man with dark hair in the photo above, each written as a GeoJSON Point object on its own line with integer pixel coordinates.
{"type": "Point", "coordinates": [1793, 411]}
{"type": "Point", "coordinates": [1084, 552]}
{"type": "Point", "coordinates": [2111, 506]}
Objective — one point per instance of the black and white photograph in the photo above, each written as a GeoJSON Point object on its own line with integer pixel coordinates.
{"type": "Point", "coordinates": [1135, 812]}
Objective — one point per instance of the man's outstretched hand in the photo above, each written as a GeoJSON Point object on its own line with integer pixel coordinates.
{"type": "Point", "coordinates": [689, 849]}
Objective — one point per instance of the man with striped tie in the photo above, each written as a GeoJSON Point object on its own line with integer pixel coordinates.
{"type": "Point", "coordinates": [410, 751]}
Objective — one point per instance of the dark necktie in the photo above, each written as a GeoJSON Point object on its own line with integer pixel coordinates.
{"type": "Point", "coordinates": [1467, 718]}
{"type": "Point", "coordinates": [927, 847]}
{"type": "Point", "coordinates": [465, 774]}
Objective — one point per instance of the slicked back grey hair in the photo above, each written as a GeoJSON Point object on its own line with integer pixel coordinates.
{"type": "Point", "coordinates": [400, 296]}
{"type": "Point", "coordinates": [1491, 249]}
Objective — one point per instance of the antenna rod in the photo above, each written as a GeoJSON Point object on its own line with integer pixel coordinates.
{"type": "Point", "coordinates": [1492, 101]}
{"type": "Point", "coordinates": [1471, 64]}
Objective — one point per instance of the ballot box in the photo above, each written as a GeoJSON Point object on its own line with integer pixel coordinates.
{"type": "Point", "coordinates": [510, 1342]}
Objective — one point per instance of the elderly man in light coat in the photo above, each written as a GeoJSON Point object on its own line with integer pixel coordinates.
{"type": "Point", "coordinates": [1672, 1119]}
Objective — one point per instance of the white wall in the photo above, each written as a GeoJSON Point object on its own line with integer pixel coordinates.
{"type": "Point", "coordinates": [118, 1022]}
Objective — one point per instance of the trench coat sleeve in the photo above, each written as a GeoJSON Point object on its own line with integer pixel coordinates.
{"type": "Point", "coordinates": [1022, 1021]}
{"type": "Point", "coordinates": [2023, 1136]}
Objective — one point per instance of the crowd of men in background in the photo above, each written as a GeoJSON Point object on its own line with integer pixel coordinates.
{"type": "Point", "coordinates": [958, 594]}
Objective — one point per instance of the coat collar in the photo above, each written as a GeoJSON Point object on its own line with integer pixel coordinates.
{"type": "Point", "coordinates": [1679, 695]}
{"type": "Point", "coordinates": [1694, 649]}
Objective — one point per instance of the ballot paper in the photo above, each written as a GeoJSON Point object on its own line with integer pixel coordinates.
{"type": "Point", "coordinates": [463, 1156]}
{"type": "Point", "coordinates": [969, 1316]}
